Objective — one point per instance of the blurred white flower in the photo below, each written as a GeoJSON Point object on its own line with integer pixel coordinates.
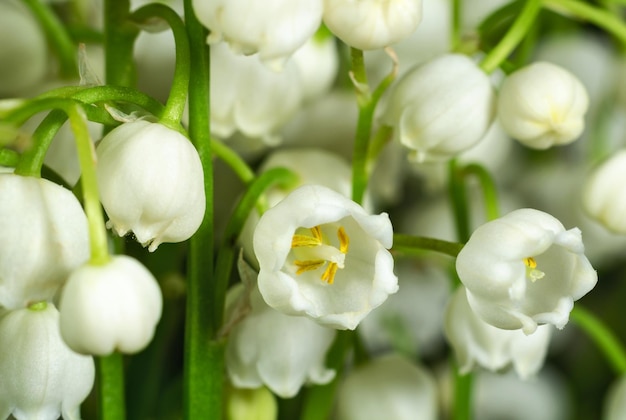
{"type": "Point", "coordinates": [151, 183]}
{"type": "Point", "coordinates": [615, 403]}
{"type": "Point", "coordinates": [542, 105]}
{"type": "Point", "coordinates": [115, 306]}
{"type": "Point", "coordinates": [389, 387]}
{"type": "Point", "coordinates": [525, 269]}
{"type": "Point", "coordinates": [41, 377]}
{"type": "Point", "coordinates": [440, 108]}
{"type": "Point", "coordinates": [44, 236]}
{"type": "Point", "coordinates": [318, 62]}
{"type": "Point", "coordinates": [477, 343]}
{"type": "Point", "coordinates": [321, 255]}
{"type": "Point", "coordinates": [371, 24]}
{"type": "Point", "coordinates": [273, 28]}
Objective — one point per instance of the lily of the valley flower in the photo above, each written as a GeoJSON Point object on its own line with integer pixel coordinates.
{"type": "Point", "coordinates": [41, 377]}
{"type": "Point", "coordinates": [151, 183]}
{"type": "Point", "coordinates": [321, 255]}
{"type": "Point", "coordinates": [372, 24]}
{"type": "Point", "coordinates": [440, 108]}
{"type": "Point", "coordinates": [275, 29]}
{"type": "Point", "coordinates": [43, 237]}
{"type": "Point", "coordinates": [542, 105]}
{"type": "Point", "coordinates": [477, 343]}
{"type": "Point", "coordinates": [525, 269]}
{"type": "Point", "coordinates": [109, 307]}
{"type": "Point", "coordinates": [390, 387]}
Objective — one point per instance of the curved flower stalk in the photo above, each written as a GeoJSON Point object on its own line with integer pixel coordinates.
{"type": "Point", "coordinates": [151, 183]}
{"type": "Point", "coordinates": [41, 377]}
{"type": "Point", "coordinates": [440, 108]}
{"type": "Point", "coordinates": [525, 269]}
{"type": "Point", "coordinates": [542, 105]}
{"type": "Point", "coordinates": [388, 387]}
{"type": "Point", "coordinates": [604, 199]}
{"type": "Point", "coordinates": [476, 342]}
{"type": "Point", "coordinates": [321, 255]}
{"type": "Point", "coordinates": [44, 237]}
{"type": "Point", "coordinates": [274, 29]}
{"type": "Point", "coordinates": [115, 306]}
{"type": "Point", "coordinates": [279, 351]}
{"type": "Point", "coordinates": [372, 24]}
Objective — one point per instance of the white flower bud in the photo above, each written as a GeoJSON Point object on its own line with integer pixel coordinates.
{"type": "Point", "coordinates": [440, 108]}
{"type": "Point", "coordinates": [273, 28]}
{"type": "Point", "coordinates": [151, 183]}
{"type": "Point", "coordinates": [322, 256]}
{"type": "Point", "coordinates": [43, 237]}
{"type": "Point", "coordinates": [525, 269]}
{"type": "Point", "coordinates": [318, 62]}
{"type": "Point", "coordinates": [604, 199]}
{"type": "Point", "coordinates": [542, 105]}
{"type": "Point", "coordinates": [115, 306]}
{"type": "Point", "coordinates": [371, 24]}
{"type": "Point", "coordinates": [477, 343]}
{"type": "Point", "coordinates": [41, 377]}
{"type": "Point", "coordinates": [389, 387]}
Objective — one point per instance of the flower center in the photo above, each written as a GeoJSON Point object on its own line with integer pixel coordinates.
{"type": "Point", "coordinates": [314, 253]}
{"type": "Point", "coordinates": [531, 269]}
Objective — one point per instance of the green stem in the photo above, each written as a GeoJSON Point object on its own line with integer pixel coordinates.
{"type": "Point", "coordinates": [58, 37]}
{"type": "Point", "coordinates": [462, 408]}
{"type": "Point", "coordinates": [489, 189]}
{"type": "Point", "coordinates": [457, 13]}
{"type": "Point", "coordinates": [9, 158]}
{"type": "Point", "coordinates": [233, 160]}
{"type": "Point", "coordinates": [407, 244]}
{"type": "Point", "coordinates": [513, 37]}
{"type": "Point", "coordinates": [111, 387]}
{"type": "Point", "coordinates": [175, 105]}
{"type": "Point", "coordinates": [203, 356]}
{"type": "Point", "coordinates": [599, 17]}
{"type": "Point", "coordinates": [603, 337]}
{"type": "Point", "coordinates": [119, 39]}
{"type": "Point", "coordinates": [458, 198]}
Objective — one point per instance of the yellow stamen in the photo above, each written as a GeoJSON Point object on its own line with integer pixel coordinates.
{"type": "Point", "coordinates": [325, 253]}
{"type": "Point", "coordinates": [531, 269]}
{"type": "Point", "coordinates": [344, 240]}
{"type": "Point", "coordinates": [530, 262]}
{"type": "Point", "coordinates": [329, 274]}
{"type": "Point", "coordinates": [308, 265]}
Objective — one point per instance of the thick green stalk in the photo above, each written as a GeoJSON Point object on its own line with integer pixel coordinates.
{"type": "Point", "coordinates": [111, 387]}
{"type": "Point", "coordinates": [119, 40]}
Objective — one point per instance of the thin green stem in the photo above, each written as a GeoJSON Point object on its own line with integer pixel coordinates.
{"type": "Point", "coordinates": [408, 244]}
{"type": "Point", "coordinates": [488, 187]}
{"type": "Point", "coordinates": [119, 39]}
{"type": "Point", "coordinates": [177, 99]}
{"type": "Point", "coordinates": [111, 387]}
{"type": "Point", "coordinates": [462, 408]}
{"type": "Point", "coordinates": [602, 336]}
{"type": "Point", "coordinates": [457, 10]}
{"type": "Point", "coordinates": [9, 158]}
{"type": "Point", "coordinates": [458, 198]}
{"type": "Point", "coordinates": [58, 37]}
{"type": "Point", "coordinates": [233, 160]}
{"type": "Point", "coordinates": [513, 37]}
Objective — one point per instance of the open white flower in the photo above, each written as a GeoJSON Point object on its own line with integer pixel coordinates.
{"type": "Point", "coordinates": [525, 269]}
{"type": "Point", "coordinates": [542, 105]}
{"type": "Point", "coordinates": [109, 307]}
{"type": "Point", "coordinates": [41, 377]}
{"type": "Point", "coordinates": [151, 183]}
{"type": "Point", "coordinates": [477, 343]}
{"type": "Point", "coordinates": [43, 236]}
{"type": "Point", "coordinates": [321, 255]}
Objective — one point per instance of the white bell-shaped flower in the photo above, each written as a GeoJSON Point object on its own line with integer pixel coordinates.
{"type": "Point", "coordinates": [43, 237]}
{"type": "Point", "coordinates": [151, 183]}
{"type": "Point", "coordinates": [273, 28]}
{"type": "Point", "coordinates": [525, 269]}
{"type": "Point", "coordinates": [279, 351]}
{"type": "Point", "coordinates": [389, 387]}
{"type": "Point", "coordinates": [41, 377]}
{"type": "Point", "coordinates": [321, 255]}
{"type": "Point", "coordinates": [318, 63]}
{"type": "Point", "coordinates": [604, 199]}
{"type": "Point", "coordinates": [371, 24]}
{"type": "Point", "coordinates": [477, 343]}
{"type": "Point", "coordinates": [542, 105]}
{"type": "Point", "coordinates": [115, 306]}
{"type": "Point", "coordinates": [440, 108]}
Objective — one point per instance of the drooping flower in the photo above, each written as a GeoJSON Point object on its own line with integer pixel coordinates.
{"type": "Point", "coordinates": [542, 105]}
{"type": "Point", "coordinates": [604, 199]}
{"type": "Point", "coordinates": [109, 307]}
{"type": "Point", "coordinates": [389, 387]}
{"type": "Point", "coordinates": [525, 269]}
{"type": "Point", "coordinates": [321, 255]}
{"type": "Point", "coordinates": [372, 24]}
{"type": "Point", "coordinates": [43, 237]}
{"type": "Point", "coordinates": [41, 377]}
{"type": "Point", "coordinates": [440, 108]}
{"type": "Point", "coordinates": [151, 183]}
{"type": "Point", "coordinates": [476, 342]}
{"type": "Point", "coordinates": [274, 29]}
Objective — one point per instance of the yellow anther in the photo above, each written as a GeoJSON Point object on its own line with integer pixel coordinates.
{"type": "Point", "coordinates": [530, 262]}
{"type": "Point", "coordinates": [531, 269]}
{"type": "Point", "coordinates": [318, 253]}
{"type": "Point", "coordinates": [344, 240]}
{"type": "Point", "coordinates": [308, 265]}
{"type": "Point", "coordinates": [329, 274]}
